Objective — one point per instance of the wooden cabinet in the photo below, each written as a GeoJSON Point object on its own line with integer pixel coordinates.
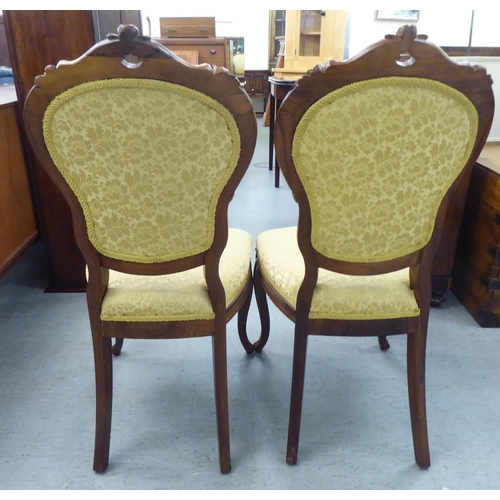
{"type": "Point", "coordinates": [312, 37]}
{"type": "Point", "coordinates": [257, 84]}
{"type": "Point", "coordinates": [36, 39]}
{"type": "Point", "coordinates": [17, 220]}
{"type": "Point", "coordinates": [476, 272]}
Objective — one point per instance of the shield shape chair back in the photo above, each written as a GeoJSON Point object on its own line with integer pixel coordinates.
{"type": "Point", "coordinates": [148, 151]}
{"type": "Point", "coordinates": [373, 150]}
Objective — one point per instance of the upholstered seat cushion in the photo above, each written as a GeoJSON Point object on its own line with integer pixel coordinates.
{"type": "Point", "coordinates": [336, 296]}
{"type": "Point", "coordinates": [180, 296]}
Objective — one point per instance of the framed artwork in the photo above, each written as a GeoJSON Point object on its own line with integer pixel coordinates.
{"type": "Point", "coordinates": [397, 15]}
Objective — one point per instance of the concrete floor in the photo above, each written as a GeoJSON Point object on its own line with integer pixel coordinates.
{"type": "Point", "coordinates": [355, 430]}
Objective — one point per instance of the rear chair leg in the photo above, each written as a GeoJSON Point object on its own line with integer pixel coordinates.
{"type": "Point", "coordinates": [383, 343]}
{"type": "Point", "coordinates": [298, 376]}
{"type": "Point", "coordinates": [117, 348]}
{"type": "Point", "coordinates": [221, 396]}
{"type": "Point", "coordinates": [104, 400]}
{"type": "Point", "coordinates": [416, 393]}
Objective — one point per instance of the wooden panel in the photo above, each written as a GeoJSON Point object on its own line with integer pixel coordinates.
{"type": "Point", "coordinates": [187, 27]}
{"type": "Point", "coordinates": [190, 56]}
{"type": "Point", "coordinates": [256, 83]}
{"type": "Point", "coordinates": [17, 220]}
{"type": "Point", "coordinates": [490, 157]}
{"type": "Point", "coordinates": [37, 39]}
{"type": "Point", "coordinates": [476, 271]}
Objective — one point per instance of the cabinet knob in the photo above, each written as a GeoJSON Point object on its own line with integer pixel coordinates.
{"type": "Point", "coordinates": [213, 51]}
{"type": "Point", "coordinates": [323, 13]}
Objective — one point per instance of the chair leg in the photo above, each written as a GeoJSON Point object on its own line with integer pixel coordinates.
{"type": "Point", "coordinates": [298, 375]}
{"type": "Point", "coordinates": [117, 348]}
{"type": "Point", "coordinates": [261, 298]}
{"type": "Point", "coordinates": [242, 323]}
{"type": "Point", "coordinates": [221, 397]}
{"type": "Point", "coordinates": [416, 392]}
{"type": "Point", "coordinates": [104, 399]}
{"type": "Point", "coordinates": [383, 343]}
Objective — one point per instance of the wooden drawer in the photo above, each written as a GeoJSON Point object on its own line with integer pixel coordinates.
{"type": "Point", "coordinates": [210, 50]}
{"type": "Point", "coordinates": [476, 270]}
{"type": "Point", "coordinates": [187, 27]}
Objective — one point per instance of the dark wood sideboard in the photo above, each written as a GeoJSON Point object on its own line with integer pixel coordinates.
{"type": "Point", "coordinates": [476, 271]}
{"type": "Point", "coordinates": [37, 38]}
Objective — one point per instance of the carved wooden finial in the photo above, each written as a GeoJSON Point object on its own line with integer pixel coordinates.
{"type": "Point", "coordinates": [407, 33]}
{"type": "Point", "coordinates": [127, 32]}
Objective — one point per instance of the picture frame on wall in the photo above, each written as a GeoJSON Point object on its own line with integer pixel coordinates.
{"type": "Point", "coordinates": [397, 15]}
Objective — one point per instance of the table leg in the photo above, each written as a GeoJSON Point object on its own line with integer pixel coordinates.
{"type": "Point", "coordinates": [272, 108]}
{"type": "Point", "coordinates": [276, 163]}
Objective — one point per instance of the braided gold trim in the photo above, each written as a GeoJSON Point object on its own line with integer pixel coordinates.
{"type": "Point", "coordinates": [408, 82]}
{"type": "Point", "coordinates": [131, 83]}
{"type": "Point", "coordinates": [160, 318]}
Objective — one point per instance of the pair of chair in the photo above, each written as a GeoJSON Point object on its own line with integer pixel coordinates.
{"type": "Point", "coordinates": [148, 152]}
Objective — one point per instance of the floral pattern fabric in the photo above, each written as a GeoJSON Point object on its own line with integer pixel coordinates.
{"type": "Point", "coordinates": [148, 192]}
{"type": "Point", "coordinates": [336, 296]}
{"type": "Point", "coordinates": [376, 159]}
{"type": "Point", "coordinates": [181, 296]}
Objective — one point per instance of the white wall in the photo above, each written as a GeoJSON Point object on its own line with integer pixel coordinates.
{"type": "Point", "coordinates": [365, 29]}
{"type": "Point", "coordinates": [492, 65]}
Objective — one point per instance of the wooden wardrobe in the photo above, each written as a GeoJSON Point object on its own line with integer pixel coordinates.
{"type": "Point", "coordinates": [37, 38]}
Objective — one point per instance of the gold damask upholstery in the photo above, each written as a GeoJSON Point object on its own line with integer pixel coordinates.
{"type": "Point", "coordinates": [181, 296]}
{"type": "Point", "coordinates": [148, 193]}
{"type": "Point", "coordinates": [336, 296]}
{"type": "Point", "coordinates": [364, 185]}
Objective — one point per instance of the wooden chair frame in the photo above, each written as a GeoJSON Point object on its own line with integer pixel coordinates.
{"type": "Point", "coordinates": [128, 55]}
{"type": "Point", "coordinates": [408, 55]}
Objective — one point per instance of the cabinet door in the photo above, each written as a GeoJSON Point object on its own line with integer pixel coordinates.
{"type": "Point", "coordinates": [314, 36]}
{"type": "Point", "coordinates": [310, 33]}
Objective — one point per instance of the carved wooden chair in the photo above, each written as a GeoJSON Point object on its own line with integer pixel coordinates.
{"type": "Point", "coordinates": [373, 149]}
{"type": "Point", "coordinates": [148, 151]}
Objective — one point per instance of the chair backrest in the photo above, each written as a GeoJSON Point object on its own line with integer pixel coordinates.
{"type": "Point", "coordinates": [146, 148]}
{"type": "Point", "coordinates": [371, 146]}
